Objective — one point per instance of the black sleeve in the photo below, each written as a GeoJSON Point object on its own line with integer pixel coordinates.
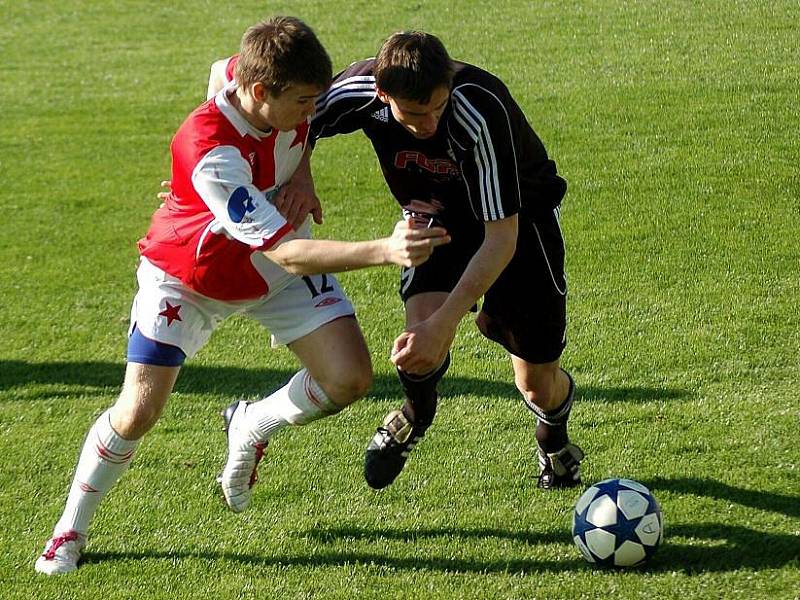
{"type": "Point", "coordinates": [484, 137]}
{"type": "Point", "coordinates": [343, 108]}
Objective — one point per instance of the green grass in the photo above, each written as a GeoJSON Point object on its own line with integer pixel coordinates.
{"type": "Point", "coordinates": [675, 124]}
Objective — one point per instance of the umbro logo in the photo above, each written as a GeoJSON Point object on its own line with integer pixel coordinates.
{"type": "Point", "coordinates": [252, 158]}
{"type": "Point", "coordinates": [382, 114]}
{"type": "Point", "coordinates": [327, 302]}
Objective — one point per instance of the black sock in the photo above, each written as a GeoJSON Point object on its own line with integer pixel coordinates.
{"type": "Point", "coordinates": [551, 430]}
{"type": "Point", "coordinates": [421, 397]}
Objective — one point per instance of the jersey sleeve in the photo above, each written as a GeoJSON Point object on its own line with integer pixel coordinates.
{"type": "Point", "coordinates": [221, 75]}
{"type": "Point", "coordinates": [344, 107]}
{"type": "Point", "coordinates": [484, 137]}
{"type": "Point", "coordinates": [216, 78]}
{"type": "Point", "coordinates": [224, 181]}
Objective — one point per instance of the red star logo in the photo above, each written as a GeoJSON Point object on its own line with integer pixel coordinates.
{"type": "Point", "coordinates": [301, 133]}
{"type": "Point", "coordinates": [171, 312]}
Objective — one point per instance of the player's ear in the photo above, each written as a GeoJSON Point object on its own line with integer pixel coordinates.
{"type": "Point", "coordinates": [382, 96]}
{"type": "Point", "coordinates": [258, 91]}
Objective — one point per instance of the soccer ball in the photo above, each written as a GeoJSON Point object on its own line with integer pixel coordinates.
{"type": "Point", "coordinates": [617, 522]}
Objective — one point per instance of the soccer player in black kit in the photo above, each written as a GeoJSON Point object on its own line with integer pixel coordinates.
{"type": "Point", "coordinates": [456, 150]}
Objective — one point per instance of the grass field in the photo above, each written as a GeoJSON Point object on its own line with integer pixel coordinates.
{"type": "Point", "coordinates": [676, 124]}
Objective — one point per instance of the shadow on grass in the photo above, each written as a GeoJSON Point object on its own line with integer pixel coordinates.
{"type": "Point", "coordinates": [779, 503]}
{"type": "Point", "coordinates": [410, 535]}
{"type": "Point", "coordinates": [724, 548]}
{"type": "Point", "coordinates": [106, 377]}
{"type": "Point", "coordinates": [341, 559]}
{"type": "Point", "coordinates": [692, 549]}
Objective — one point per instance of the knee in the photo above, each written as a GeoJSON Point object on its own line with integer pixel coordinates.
{"type": "Point", "coordinates": [349, 386]}
{"type": "Point", "coordinates": [133, 418]}
{"type": "Point", "coordinates": [132, 425]}
{"type": "Point", "coordinates": [541, 391]}
{"type": "Point", "coordinates": [143, 397]}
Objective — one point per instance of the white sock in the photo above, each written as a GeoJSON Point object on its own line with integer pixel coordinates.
{"type": "Point", "coordinates": [300, 401]}
{"type": "Point", "coordinates": [104, 458]}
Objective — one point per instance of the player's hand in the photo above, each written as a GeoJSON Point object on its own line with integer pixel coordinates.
{"type": "Point", "coordinates": [410, 246]}
{"type": "Point", "coordinates": [422, 347]}
{"type": "Point", "coordinates": [166, 186]}
{"type": "Point", "coordinates": [296, 200]}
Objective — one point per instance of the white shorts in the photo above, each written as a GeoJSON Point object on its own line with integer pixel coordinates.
{"type": "Point", "coordinates": [167, 311]}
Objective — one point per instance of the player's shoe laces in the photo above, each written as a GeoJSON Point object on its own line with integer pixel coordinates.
{"type": "Point", "coordinates": [388, 450]}
{"type": "Point", "coordinates": [61, 553]}
{"type": "Point", "coordinates": [241, 469]}
{"type": "Point", "coordinates": [560, 469]}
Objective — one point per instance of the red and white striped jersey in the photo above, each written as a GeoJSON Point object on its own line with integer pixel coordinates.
{"type": "Point", "coordinates": [219, 215]}
{"type": "Point", "coordinates": [230, 65]}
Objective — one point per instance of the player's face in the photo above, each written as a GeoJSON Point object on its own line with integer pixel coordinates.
{"type": "Point", "coordinates": [289, 109]}
{"type": "Point", "coordinates": [421, 120]}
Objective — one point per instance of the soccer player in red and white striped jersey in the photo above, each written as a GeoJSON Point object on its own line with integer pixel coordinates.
{"type": "Point", "coordinates": [218, 246]}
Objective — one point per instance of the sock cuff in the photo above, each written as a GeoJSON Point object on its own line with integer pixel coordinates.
{"type": "Point", "coordinates": [437, 373]}
{"type": "Point", "coordinates": [560, 414]}
{"type": "Point", "coordinates": [299, 402]}
{"type": "Point", "coordinates": [108, 443]}
{"type": "Point", "coordinates": [316, 394]}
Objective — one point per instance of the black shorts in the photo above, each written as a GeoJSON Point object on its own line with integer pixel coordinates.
{"type": "Point", "coordinates": [525, 309]}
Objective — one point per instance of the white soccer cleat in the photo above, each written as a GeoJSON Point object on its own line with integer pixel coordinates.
{"type": "Point", "coordinates": [241, 470]}
{"type": "Point", "coordinates": [61, 553]}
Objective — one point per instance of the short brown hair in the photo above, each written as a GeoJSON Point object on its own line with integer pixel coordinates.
{"type": "Point", "coordinates": [411, 65]}
{"type": "Point", "coordinates": [282, 51]}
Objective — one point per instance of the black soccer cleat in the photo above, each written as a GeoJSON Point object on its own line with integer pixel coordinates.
{"type": "Point", "coordinates": [388, 450]}
{"type": "Point", "coordinates": [560, 469]}
{"type": "Point", "coordinates": [227, 414]}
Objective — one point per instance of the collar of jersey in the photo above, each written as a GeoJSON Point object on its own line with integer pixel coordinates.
{"type": "Point", "coordinates": [241, 124]}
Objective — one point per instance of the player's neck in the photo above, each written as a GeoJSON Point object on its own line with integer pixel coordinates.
{"type": "Point", "coordinates": [246, 107]}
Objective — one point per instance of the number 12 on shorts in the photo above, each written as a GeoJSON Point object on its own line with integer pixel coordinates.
{"type": "Point", "coordinates": [324, 289]}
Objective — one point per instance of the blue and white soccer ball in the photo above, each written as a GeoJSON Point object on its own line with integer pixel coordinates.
{"type": "Point", "coordinates": [617, 522]}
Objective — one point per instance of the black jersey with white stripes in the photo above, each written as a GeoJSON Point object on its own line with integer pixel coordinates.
{"type": "Point", "coordinates": [484, 163]}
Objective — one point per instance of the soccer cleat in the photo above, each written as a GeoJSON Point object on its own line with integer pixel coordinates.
{"type": "Point", "coordinates": [560, 469]}
{"type": "Point", "coordinates": [61, 553]}
{"type": "Point", "coordinates": [241, 469]}
{"type": "Point", "coordinates": [388, 450]}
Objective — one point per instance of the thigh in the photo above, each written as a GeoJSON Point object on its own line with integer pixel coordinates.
{"type": "Point", "coordinates": [302, 307]}
{"type": "Point", "coordinates": [525, 309]}
{"type": "Point", "coordinates": [441, 272]}
{"type": "Point", "coordinates": [167, 311]}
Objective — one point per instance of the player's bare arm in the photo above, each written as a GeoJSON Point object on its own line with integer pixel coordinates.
{"type": "Point", "coordinates": [423, 347]}
{"type": "Point", "coordinates": [407, 247]}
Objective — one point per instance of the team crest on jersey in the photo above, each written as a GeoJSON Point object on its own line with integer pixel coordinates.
{"type": "Point", "coordinates": [437, 166]}
{"type": "Point", "coordinates": [382, 114]}
{"type": "Point", "coordinates": [239, 204]}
